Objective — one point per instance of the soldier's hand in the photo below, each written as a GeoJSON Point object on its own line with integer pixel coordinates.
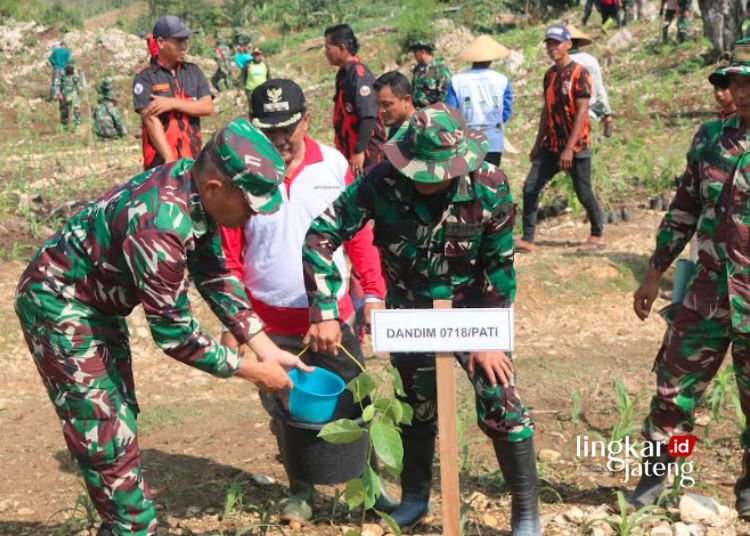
{"type": "Point", "coordinates": [286, 359]}
{"type": "Point", "coordinates": [367, 310]}
{"type": "Point", "coordinates": [324, 337]}
{"type": "Point", "coordinates": [496, 365]}
{"type": "Point", "coordinates": [160, 105]}
{"type": "Point", "coordinates": [267, 376]}
{"type": "Point", "coordinates": [644, 297]}
{"type": "Point", "coordinates": [357, 163]}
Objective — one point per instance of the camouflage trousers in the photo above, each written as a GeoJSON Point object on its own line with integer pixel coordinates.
{"type": "Point", "coordinates": [65, 108]}
{"type": "Point", "coordinates": [690, 356]}
{"type": "Point", "coordinates": [84, 361]}
{"type": "Point", "coordinates": [500, 412]}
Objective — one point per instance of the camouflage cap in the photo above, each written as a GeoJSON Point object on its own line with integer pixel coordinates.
{"type": "Point", "coordinates": [740, 64]}
{"type": "Point", "coordinates": [245, 156]}
{"type": "Point", "coordinates": [422, 44]}
{"type": "Point", "coordinates": [437, 146]}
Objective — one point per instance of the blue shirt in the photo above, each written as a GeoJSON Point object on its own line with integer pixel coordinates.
{"type": "Point", "coordinates": [59, 57]}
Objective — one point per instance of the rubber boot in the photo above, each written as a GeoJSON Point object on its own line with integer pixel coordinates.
{"type": "Point", "coordinates": [650, 485]}
{"type": "Point", "coordinates": [105, 529]}
{"type": "Point", "coordinates": [416, 477]}
{"type": "Point", "coordinates": [385, 501]}
{"type": "Point", "coordinates": [298, 507]}
{"type": "Point", "coordinates": [518, 465]}
{"type": "Point", "coordinates": [742, 488]}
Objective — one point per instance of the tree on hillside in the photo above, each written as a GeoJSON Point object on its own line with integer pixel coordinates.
{"type": "Point", "coordinates": [722, 20]}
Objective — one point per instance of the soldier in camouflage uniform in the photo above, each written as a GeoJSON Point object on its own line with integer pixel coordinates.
{"type": "Point", "coordinates": [129, 247]}
{"type": "Point", "coordinates": [67, 86]}
{"type": "Point", "coordinates": [223, 57]}
{"type": "Point", "coordinates": [443, 221]}
{"type": "Point", "coordinates": [713, 202]}
{"type": "Point", "coordinates": [430, 76]}
{"type": "Point", "coordinates": [107, 120]}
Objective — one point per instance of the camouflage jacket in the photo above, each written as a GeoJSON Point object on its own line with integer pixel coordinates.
{"type": "Point", "coordinates": [107, 120]}
{"type": "Point", "coordinates": [429, 83]}
{"type": "Point", "coordinates": [223, 58]}
{"type": "Point", "coordinates": [457, 245]}
{"type": "Point", "coordinates": [720, 216]}
{"type": "Point", "coordinates": [132, 246]}
{"type": "Point", "coordinates": [68, 85]}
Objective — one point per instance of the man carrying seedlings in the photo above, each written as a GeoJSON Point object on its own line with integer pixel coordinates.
{"type": "Point", "coordinates": [107, 120]}
{"type": "Point", "coordinates": [67, 87]}
{"type": "Point", "coordinates": [443, 221]}
{"type": "Point", "coordinates": [130, 247]}
{"type": "Point", "coordinates": [712, 203]}
{"type": "Point", "coordinates": [357, 128]}
{"type": "Point", "coordinates": [394, 102]}
{"type": "Point", "coordinates": [171, 95]}
{"type": "Point", "coordinates": [223, 57]}
{"type": "Point", "coordinates": [265, 253]}
{"type": "Point", "coordinates": [562, 140]}
{"type": "Point", "coordinates": [430, 76]}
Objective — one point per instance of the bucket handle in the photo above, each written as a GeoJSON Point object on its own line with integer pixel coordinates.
{"type": "Point", "coordinates": [347, 353]}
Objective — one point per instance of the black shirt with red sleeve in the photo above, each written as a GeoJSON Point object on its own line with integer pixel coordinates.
{"type": "Point", "coordinates": [183, 131]}
{"type": "Point", "coordinates": [353, 103]}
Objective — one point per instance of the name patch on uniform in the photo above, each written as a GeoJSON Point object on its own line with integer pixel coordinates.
{"type": "Point", "coordinates": [160, 87]}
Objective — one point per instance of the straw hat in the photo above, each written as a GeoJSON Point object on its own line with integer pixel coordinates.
{"type": "Point", "coordinates": [578, 37]}
{"type": "Point", "coordinates": [484, 48]}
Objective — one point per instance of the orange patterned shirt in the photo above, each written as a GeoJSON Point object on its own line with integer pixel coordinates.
{"type": "Point", "coordinates": [561, 90]}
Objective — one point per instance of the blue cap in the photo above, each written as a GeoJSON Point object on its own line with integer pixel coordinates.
{"type": "Point", "coordinates": [171, 26]}
{"type": "Point", "coordinates": [558, 32]}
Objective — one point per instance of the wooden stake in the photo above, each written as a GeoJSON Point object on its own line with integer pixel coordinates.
{"type": "Point", "coordinates": [446, 387]}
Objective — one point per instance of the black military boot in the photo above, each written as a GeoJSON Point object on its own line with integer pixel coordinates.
{"type": "Point", "coordinates": [518, 465]}
{"type": "Point", "coordinates": [650, 485]}
{"type": "Point", "coordinates": [105, 529]}
{"type": "Point", "coordinates": [742, 488]}
{"type": "Point", "coordinates": [416, 477]}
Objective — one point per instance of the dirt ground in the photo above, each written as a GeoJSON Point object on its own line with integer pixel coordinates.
{"type": "Point", "coordinates": [575, 330]}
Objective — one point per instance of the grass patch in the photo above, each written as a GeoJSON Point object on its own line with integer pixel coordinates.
{"type": "Point", "coordinates": [165, 416]}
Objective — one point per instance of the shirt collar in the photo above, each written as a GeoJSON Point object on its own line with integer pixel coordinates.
{"type": "Point", "coordinates": [313, 155]}
{"type": "Point", "coordinates": [733, 121]}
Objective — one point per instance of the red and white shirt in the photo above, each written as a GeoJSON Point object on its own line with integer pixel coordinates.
{"type": "Point", "coordinates": [267, 253]}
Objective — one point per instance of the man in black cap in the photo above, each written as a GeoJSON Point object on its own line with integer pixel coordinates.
{"type": "Point", "coordinates": [171, 95]}
{"type": "Point", "coordinates": [315, 176]}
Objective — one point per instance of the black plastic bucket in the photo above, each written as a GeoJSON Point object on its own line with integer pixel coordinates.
{"type": "Point", "coordinates": [312, 459]}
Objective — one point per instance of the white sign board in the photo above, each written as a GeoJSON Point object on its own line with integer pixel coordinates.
{"type": "Point", "coordinates": [442, 330]}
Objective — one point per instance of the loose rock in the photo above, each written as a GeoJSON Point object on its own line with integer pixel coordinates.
{"type": "Point", "coordinates": [548, 455]}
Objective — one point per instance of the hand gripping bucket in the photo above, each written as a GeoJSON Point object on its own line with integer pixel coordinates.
{"type": "Point", "coordinates": [315, 395]}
